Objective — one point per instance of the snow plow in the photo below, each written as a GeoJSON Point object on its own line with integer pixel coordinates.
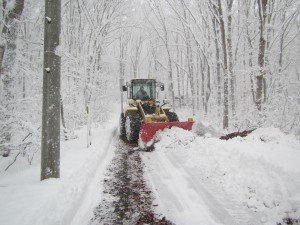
{"type": "Point", "coordinates": [144, 115]}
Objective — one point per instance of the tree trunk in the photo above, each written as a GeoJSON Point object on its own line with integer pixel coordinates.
{"type": "Point", "coordinates": [219, 89]}
{"type": "Point", "coordinates": [262, 6]}
{"type": "Point", "coordinates": [208, 88]}
{"type": "Point", "coordinates": [230, 57]}
{"type": "Point", "coordinates": [178, 70]}
{"type": "Point", "coordinates": [170, 78]}
{"type": "Point", "coordinates": [202, 84]}
{"type": "Point", "coordinates": [190, 64]}
{"type": "Point", "coordinates": [182, 81]}
{"type": "Point", "coordinates": [191, 70]}
{"type": "Point", "coordinates": [8, 46]}
{"type": "Point", "coordinates": [50, 158]}
{"type": "Point", "coordinates": [225, 61]}
{"type": "Point", "coordinates": [281, 41]}
{"type": "Point", "coordinates": [198, 69]}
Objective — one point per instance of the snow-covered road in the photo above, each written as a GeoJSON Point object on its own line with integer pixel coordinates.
{"type": "Point", "coordinates": [198, 180]}
{"type": "Point", "coordinates": [194, 180]}
{"type": "Point", "coordinates": [185, 199]}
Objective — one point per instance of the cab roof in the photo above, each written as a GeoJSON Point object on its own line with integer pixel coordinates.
{"type": "Point", "coordinates": [143, 79]}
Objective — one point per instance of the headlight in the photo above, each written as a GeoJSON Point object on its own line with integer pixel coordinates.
{"type": "Point", "coordinates": [130, 101]}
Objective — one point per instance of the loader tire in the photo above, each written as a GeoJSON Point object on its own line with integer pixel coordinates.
{"type": "Point", "coordinates": [172, 117]}
{"type": "Point", "coordinates": [132, 126]}
{"type": "Point", "coordinates": [122, 126]}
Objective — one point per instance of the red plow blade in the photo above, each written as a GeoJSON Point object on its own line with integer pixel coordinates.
{"type": "Point", "coordinates": [148, 130]}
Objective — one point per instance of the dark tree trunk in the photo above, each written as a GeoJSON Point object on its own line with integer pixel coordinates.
{"type": "Point", "coordinates": [262, 8]}
{"type": "Point", "coordinates": [225, 63]}
{"type": "Point", "coordinates": [50, 163]}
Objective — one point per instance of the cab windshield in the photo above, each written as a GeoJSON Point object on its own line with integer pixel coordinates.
{"type": "Point", "coordinates": [143, 89]}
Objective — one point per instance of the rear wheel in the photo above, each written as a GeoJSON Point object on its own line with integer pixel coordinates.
{"type": "Point", "coordinates": [172, 117]}
{"type": "Point", "coordinates": [122, 125]}
{"type": "Point", "coordinates": [132, 127]}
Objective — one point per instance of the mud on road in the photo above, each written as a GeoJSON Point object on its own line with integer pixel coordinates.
{"type": "Point", "coordinates": [126, 198]}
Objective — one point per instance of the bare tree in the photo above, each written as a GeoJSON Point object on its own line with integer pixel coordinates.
{"type": "Point", "coordinates": [136, 50]}
{"type": "Point", "coordinates": [216, 31]}
{"type": "Point", "coordinates": [9, 29]}
{"type": "Point", "coordinates": [225, 66]}
{"type": "Point", "coordinates": [8, 47]}
{"type": "Point", "coordinates": [230, 56]}
{"type": "Point", "coordinates": [262, 9]}
{"type": "Point", "coordinates": [159, 13]}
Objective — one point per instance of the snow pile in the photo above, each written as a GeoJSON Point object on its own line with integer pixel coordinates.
{"type": "Point", "coordinates": [169, 138]}
{"type": "Point", "coordinates": [68, 200]}
{"type": "Point", "coordinates": [254, 179]}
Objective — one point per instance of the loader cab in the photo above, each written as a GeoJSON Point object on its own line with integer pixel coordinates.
{"type": "Point", "coordinates": [142, 89]}
{"type": "Point", "coordinates": [146, 86]}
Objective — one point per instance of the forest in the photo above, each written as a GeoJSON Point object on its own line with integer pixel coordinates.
{"type": "Point", "coordinates": [233, 64]}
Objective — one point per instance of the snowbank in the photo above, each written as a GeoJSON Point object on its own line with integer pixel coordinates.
{"type": "Point", "coordinates": [68, 200]}
{"type": "Point", "coordinates": [251, 180]}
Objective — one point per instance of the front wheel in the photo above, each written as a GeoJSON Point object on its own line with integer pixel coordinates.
{"type": "Point", "coordinates": [132, 126]}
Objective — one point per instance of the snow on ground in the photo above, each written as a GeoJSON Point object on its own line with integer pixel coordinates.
{"type": "Point", "coordinates": [68, 200]}
{"type": "Point", "coordinates": [195, 180]}
{"type": "Point", "coordinates": [205, 180]}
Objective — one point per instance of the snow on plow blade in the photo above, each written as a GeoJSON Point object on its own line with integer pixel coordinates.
{"type": "Point", "coordinates": [148, 130]}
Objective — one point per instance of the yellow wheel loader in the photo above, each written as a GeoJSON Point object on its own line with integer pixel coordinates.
{"type": "Point", "coordinates": [145, 115]}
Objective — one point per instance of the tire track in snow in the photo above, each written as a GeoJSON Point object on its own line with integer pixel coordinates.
{"type": "Point", "coordinates": [126, 198]}
{"type": "Point", "coordinates": [174, 193]}
{"type": "Point", "coordinates": [88, 201]}
{"type": "Point", "coordinates": [227, 210]}
{"type": "Point", "coordinates": [187, 195]}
